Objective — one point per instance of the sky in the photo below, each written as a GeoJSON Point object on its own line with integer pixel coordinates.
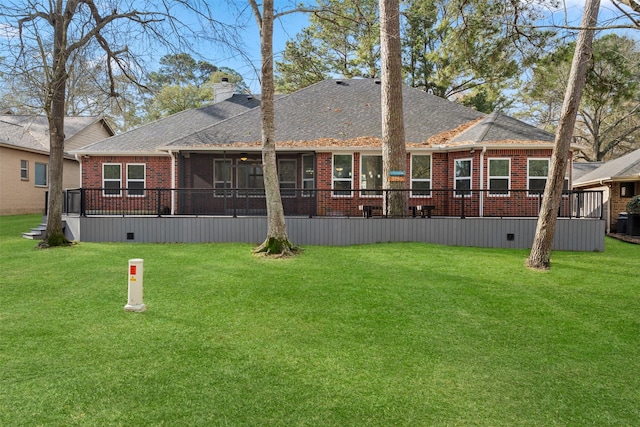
{"type": "Point", "coordinates": [286, 28]}
{"type": "Point", "coordinates": [248, 63]}
{"type": "Point", "coordinates": [238, 14]}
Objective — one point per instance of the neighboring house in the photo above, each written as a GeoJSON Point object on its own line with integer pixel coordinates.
{"type": "Point", "coordinates": [619, 180]}
{"type": "Point", "coordinates": [328, 139]}
{"type": "Point", "coordinates": [24, 158]}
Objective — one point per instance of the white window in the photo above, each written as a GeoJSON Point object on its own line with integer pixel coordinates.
{"type": "Point", "coordinates": [41, 174]}
{"type": "Point", "coordinates": [24, 170]}
{"type": "Point", "coordinates": [462, 177]}
{"type": "Point", "coordinates": [421, 175]}
{"type": "Point", "coordinates": [308, 173]}
{"type": "Point", "coordinates": [499, 177]}
{"type": "Point", "coordinates": [342, 175]}
{"type": "Point", "coordinates": [287, 174]}
{"type": "Point", "coordinates": [371, 175]}
{"type": "Point", "coordinates": [111, 179]}
{"type": "Point", "coordinates": [537, 173]}
{"type": "Point", "coordinates": [135, 179]}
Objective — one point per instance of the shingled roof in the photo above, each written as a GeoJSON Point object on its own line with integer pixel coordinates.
{"type": "Point", "coordinates": [497, 127]}
{"type": "Point", "coordinates": [335, 112]}
{"type": "Point", "coordinates": [149, 137]}
{"type": "Point", "coordinates": [16, 135]}
{"type": "Point", "coordinates": [32, 131]}
{"type": "Point", "coordinates": [623, 168]}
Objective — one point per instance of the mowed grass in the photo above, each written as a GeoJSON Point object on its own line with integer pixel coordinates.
{"type": "Point", "coordinates": [387, 334]}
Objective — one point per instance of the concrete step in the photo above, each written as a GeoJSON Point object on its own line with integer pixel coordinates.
{"type": "Point", "coordinates": [37, 233]}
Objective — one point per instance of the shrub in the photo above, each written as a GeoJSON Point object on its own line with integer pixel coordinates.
{"type": "Point", "coordinates": [633, 207]}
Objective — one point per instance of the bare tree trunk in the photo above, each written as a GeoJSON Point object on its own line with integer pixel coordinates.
{"type": "Point", "coordinates": [394, 153]}
{"type": "Point", "coordinates": [540, 256]}
{"type": "Point", "coordinates": [56, 108]}
{"type": "Point", "coordinates": [277, 241]}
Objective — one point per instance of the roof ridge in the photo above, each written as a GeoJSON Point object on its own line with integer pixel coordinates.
{"type": "Point", "coordinates": [447, 136]}
{"type": "Point", "coordinates": [489, 121]}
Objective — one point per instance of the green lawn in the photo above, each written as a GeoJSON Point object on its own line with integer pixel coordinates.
{"type": "Point", "coordinates": [389, 334]}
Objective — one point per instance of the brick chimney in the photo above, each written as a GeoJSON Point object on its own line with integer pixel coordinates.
{"type": "Point", "coordinates": [223, 90]}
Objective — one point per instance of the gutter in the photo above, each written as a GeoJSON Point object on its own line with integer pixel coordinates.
{"type": "Point", "coordinates": [77, 157]}
{"type": "Point", "coordinates": [608, 221]}
{"type": "Point", "coordinates": [118, 153]}
{"type": "Point", "coordinates": [173, 182]}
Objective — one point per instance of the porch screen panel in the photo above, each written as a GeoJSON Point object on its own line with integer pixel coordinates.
{"type": "Point", "coordinates": [462, 179]}
{"type": "Point", "coordinates": [421, 175]}
{"type": "Point", "coordinates": [250, 177]}
{"type": "Point", "coordinates": [499, 176]}
{"type": "Point", "coordinates": [371, 175]}
{"type": "Point", "coordinates": [111, 179]}
{"type": "Point", "coordinates": [287, 176]}
{"type": "Point", "coordinates": [221, 176]}
{"type": "Point", "coordinates": [342, 174]}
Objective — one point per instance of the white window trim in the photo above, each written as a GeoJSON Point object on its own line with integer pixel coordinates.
{"type": "Point", "coordinates": [546, 178]}
{"type": "Point", "coordinates": [429, 180]}
{"type": "Point", "coordinates": [104, 189]}
{"type": "Point", "coordinates": [25, 169]}
{"type": "Point", "coordinates": [362, 191]}
{"type": "Point", "coordinates": [288, 192]}
{"type": "Point", "coordinates": [143, 180]}
{"type": "Point", "coordinates": [489, 177]}
{"type": "Point", "coordinates": [470, 178]}
{"type": "Point", "coordinates": [333, 179]}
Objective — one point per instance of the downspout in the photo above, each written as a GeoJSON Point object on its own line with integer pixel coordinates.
{"type": "Point", "coordinates": [79, 160]}
{"type": "Point", "coordinates": [173, 182]}
{"type": "Point", "coordinates": [608, 218]}
{"type": "Point", "coordinates": [484, 150]}
{"type": "Point", "coordinates": [490, 120]}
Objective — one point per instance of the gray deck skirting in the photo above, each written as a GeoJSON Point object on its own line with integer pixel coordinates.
{"type": "Point", "coordinates": [517, 233]}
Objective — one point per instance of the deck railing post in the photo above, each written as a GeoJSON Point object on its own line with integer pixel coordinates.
{"type": "Point", "coordinates": [601, 203]}
{"type": "Point", "coordinates": [386, 203]}
{"type": "Point", "coordinates": [235, 203]}
{"type": "Point", "coordinates": [462, 216]}
{"type": "Point", "coordinates": [83, 202]}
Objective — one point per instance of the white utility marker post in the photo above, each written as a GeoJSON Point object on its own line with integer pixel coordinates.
{"type": "Point", "coordinates": [136, 269]}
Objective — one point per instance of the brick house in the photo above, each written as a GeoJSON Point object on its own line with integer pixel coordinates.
{"type": "Point", "coordinates": [619, 180]}
{"type": "Point", "coordinates": [328, 139]}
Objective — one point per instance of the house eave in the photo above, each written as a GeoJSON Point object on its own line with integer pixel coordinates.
{"type": "Point", "coordinates": [411, 147]}
{"type": "Point", "coordinates": [80, 153]}
{"type": "Point", "coordinates": [67, 156]}
{"type": "Point", "coordinates": [609, 179]}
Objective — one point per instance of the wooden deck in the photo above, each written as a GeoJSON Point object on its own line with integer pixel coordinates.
{"type": "Point", "coordinates": [571, 234]}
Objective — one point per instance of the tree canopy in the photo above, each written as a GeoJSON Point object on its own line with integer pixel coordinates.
{"type": "Point", "coordinates": [470, 50]}
{"type": "Point", "coordinates": [608, 122]}
{"type": "Point", "coordinates": [181, 83]}
{"type": "Point", "coordinates": [46, 40]}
